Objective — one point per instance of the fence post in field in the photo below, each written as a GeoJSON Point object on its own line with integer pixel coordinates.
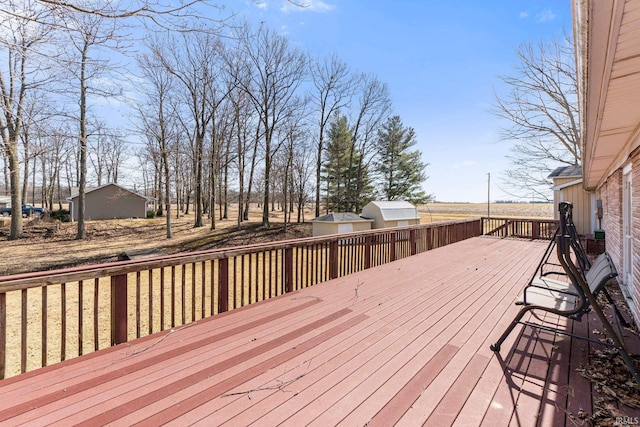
{"type": "Point", "coordinates": [333, 259]}
{"type": "Point", "coordinates": [223, 285]}
{"type": "Point", "coordinates": [288, 270]}
{"type": "Point", "coordinates": [118, 309]}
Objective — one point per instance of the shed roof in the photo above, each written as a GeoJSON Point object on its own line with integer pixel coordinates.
{"type": "Point", "coordinates": [573, 171]}
{"type": "Point", "coordinates": [393, 209]}
{"type": "Point", "coordinates": [75, 196]}
{"type": "Point", "coordinates": [341, 217]}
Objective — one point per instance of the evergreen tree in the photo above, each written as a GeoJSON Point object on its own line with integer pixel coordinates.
{"type": "Point", "coordinates": [338, 168]}
{"type": "Point", "coordinates": [402, 171]}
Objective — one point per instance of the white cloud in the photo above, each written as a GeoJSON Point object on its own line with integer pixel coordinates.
{"type": "Point", "coordinates": [545, 16]}
{"type": "Point", "coordinates": [317, 6]}
{"type": "Point", "coordinates": [523, 15]}
{"type": "Point", "coordinates": [261, 4]}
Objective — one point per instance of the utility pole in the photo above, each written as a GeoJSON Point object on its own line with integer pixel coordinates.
{"type": "Point", "coordinates": [489, 195]}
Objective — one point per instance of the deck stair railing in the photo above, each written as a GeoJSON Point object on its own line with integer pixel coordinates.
{"type": "Point", "coordinates": [51, 316]}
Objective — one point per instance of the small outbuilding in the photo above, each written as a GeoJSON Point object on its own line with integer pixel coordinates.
{"type": "Point", "coordinates": [394, 213]}
{"type": "Point", "coordinates": [567, 187]}
{"type": "Point", "coordinates": [110, 201]}
{"type": "Point", "coordinates": [335, 223]}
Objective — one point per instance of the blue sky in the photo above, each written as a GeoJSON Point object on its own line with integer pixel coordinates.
{"type": "Point", "coordinates": [441, 60]}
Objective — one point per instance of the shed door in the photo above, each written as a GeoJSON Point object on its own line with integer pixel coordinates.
{"type": "Point", "coordinates": [345, 228]}
{"type": "Point", "coordinates": [627, 230]}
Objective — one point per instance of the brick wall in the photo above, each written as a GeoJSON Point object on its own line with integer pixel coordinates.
{"type": "Point", "coordinates": [611, 194]}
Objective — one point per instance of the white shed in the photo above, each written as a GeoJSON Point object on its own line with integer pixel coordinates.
{"type": "Point", "coordinates": [395, 213]}
{"type": "Point", "coordinates": [335, 223]}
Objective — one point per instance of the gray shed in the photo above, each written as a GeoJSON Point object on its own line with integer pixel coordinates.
{"type": "Point", "coordinates": [110, 201]}
{"type": "Point", "coordinates": [335, 223]}
{"type": "Point", "coordinates": [395, 213]}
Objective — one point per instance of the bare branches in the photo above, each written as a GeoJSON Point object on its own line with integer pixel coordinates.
{"type": "Point", "coordinates": [541, 111]}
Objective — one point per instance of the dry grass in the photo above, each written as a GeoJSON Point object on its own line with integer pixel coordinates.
{"type": "Point", "coordinates": [49, 244]}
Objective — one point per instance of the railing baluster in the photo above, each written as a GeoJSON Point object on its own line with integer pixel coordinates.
{"type": "Point", "coordinates": [223, 285]}
{"type": "Point", "coordinates": [63, 317]}
{"type": "Point", "coordinates": [43, 326]}
{"type": "Point", "coordinates": [23, 331]}
{"type": "Point", "coordinates": [3, 333]}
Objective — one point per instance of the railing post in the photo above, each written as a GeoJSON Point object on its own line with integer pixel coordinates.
{"type": "Point", "coordinates": [288, 270]}
{"type": "Point", "coordinates": [333, 259]}
{"type": "Point", "coordinates": [118, 309]}
{"type": "Point", "coordinates": [223, 285]}
{"type": "Point", "coordinates": [535, 229]}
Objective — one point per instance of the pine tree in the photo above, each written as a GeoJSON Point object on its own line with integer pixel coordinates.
{"type": "Point", "coordinates": [402, 171]}
{"type": "Point", "coordinates": [339, 167]}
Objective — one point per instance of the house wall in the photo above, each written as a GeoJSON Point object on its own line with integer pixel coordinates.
{"type": "Point", "coordinates": [111, 202]}
{"type": "Point", "coordinates": [612, 202]}
{"type": "Point", "coordinates": [583, 211]}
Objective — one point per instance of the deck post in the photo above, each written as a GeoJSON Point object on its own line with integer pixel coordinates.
{"type": "Point", "coordinates": [412, 241]}
{"type": "Point", "coordinates": [333, 259]}
{"type": "Point", "coordinates": [223, 285]}
{"type": "Point", "coordinates": [288, 270]}
{"type": "Point", "coordinates": [118, 309]}
{"type": "Point", "coordinates": [535, 229]}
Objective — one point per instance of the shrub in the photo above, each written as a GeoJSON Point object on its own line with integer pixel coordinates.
{"type": "Point", "coordinates": [151, 214]}
{"type": "Point", "coordinates": [61, 215]}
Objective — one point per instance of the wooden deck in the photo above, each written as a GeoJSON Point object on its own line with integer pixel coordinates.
{"type": "Point", "coordinates": [403, 344]}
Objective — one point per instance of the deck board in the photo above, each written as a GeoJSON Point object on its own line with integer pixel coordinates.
{"type": "Point", "coordinates": [406, 344]}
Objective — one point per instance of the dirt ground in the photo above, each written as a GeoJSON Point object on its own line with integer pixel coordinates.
{"type": "Point", "coordinates": [49, 244]}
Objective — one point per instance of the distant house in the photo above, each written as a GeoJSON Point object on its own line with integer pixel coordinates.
{"type": "Point", "coordinates": [5, 201]}
{"type": "Point", "coordinates": [567, 187]}
{"type": "Point", "coordinates": [110, 201]}
{"type": "Point", "coordinates": [335, 223]}
{"type": "Point", "coordinates": [391, 214]}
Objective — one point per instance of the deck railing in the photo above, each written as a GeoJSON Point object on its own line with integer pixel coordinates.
{"type": "Point", "coordinates": [51, 316]}
{"type": "Point", "coordinates": [518, 227]}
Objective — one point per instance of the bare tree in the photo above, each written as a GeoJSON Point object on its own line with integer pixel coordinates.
{"type": "Point", "coordinates": [333, 87]}
{"type": "Point", "coordinates": [195, 62]}
{"type": "Point", "coordinates": [542, 111]}
{"type": "Point", "coordinates": [276, 71]}
{"type": "Point", "coordinates": [89, 36]}
{"type": "Point", "coordinates": [21, 33]}
{"type": "Point", "coordinates": [156, 121]}
{"type": "Point", "coordinates": [372, 108]}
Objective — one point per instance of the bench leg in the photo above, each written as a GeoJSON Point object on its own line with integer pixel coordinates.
{"type": "Point", "coordinates": [513, 324]}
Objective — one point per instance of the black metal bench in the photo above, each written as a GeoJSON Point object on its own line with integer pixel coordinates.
{"type": "Point", "coordinates": [572, 297]}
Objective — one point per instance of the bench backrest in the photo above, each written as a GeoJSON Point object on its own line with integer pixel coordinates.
{"type": "Point", "coordinates": [601, 271]}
